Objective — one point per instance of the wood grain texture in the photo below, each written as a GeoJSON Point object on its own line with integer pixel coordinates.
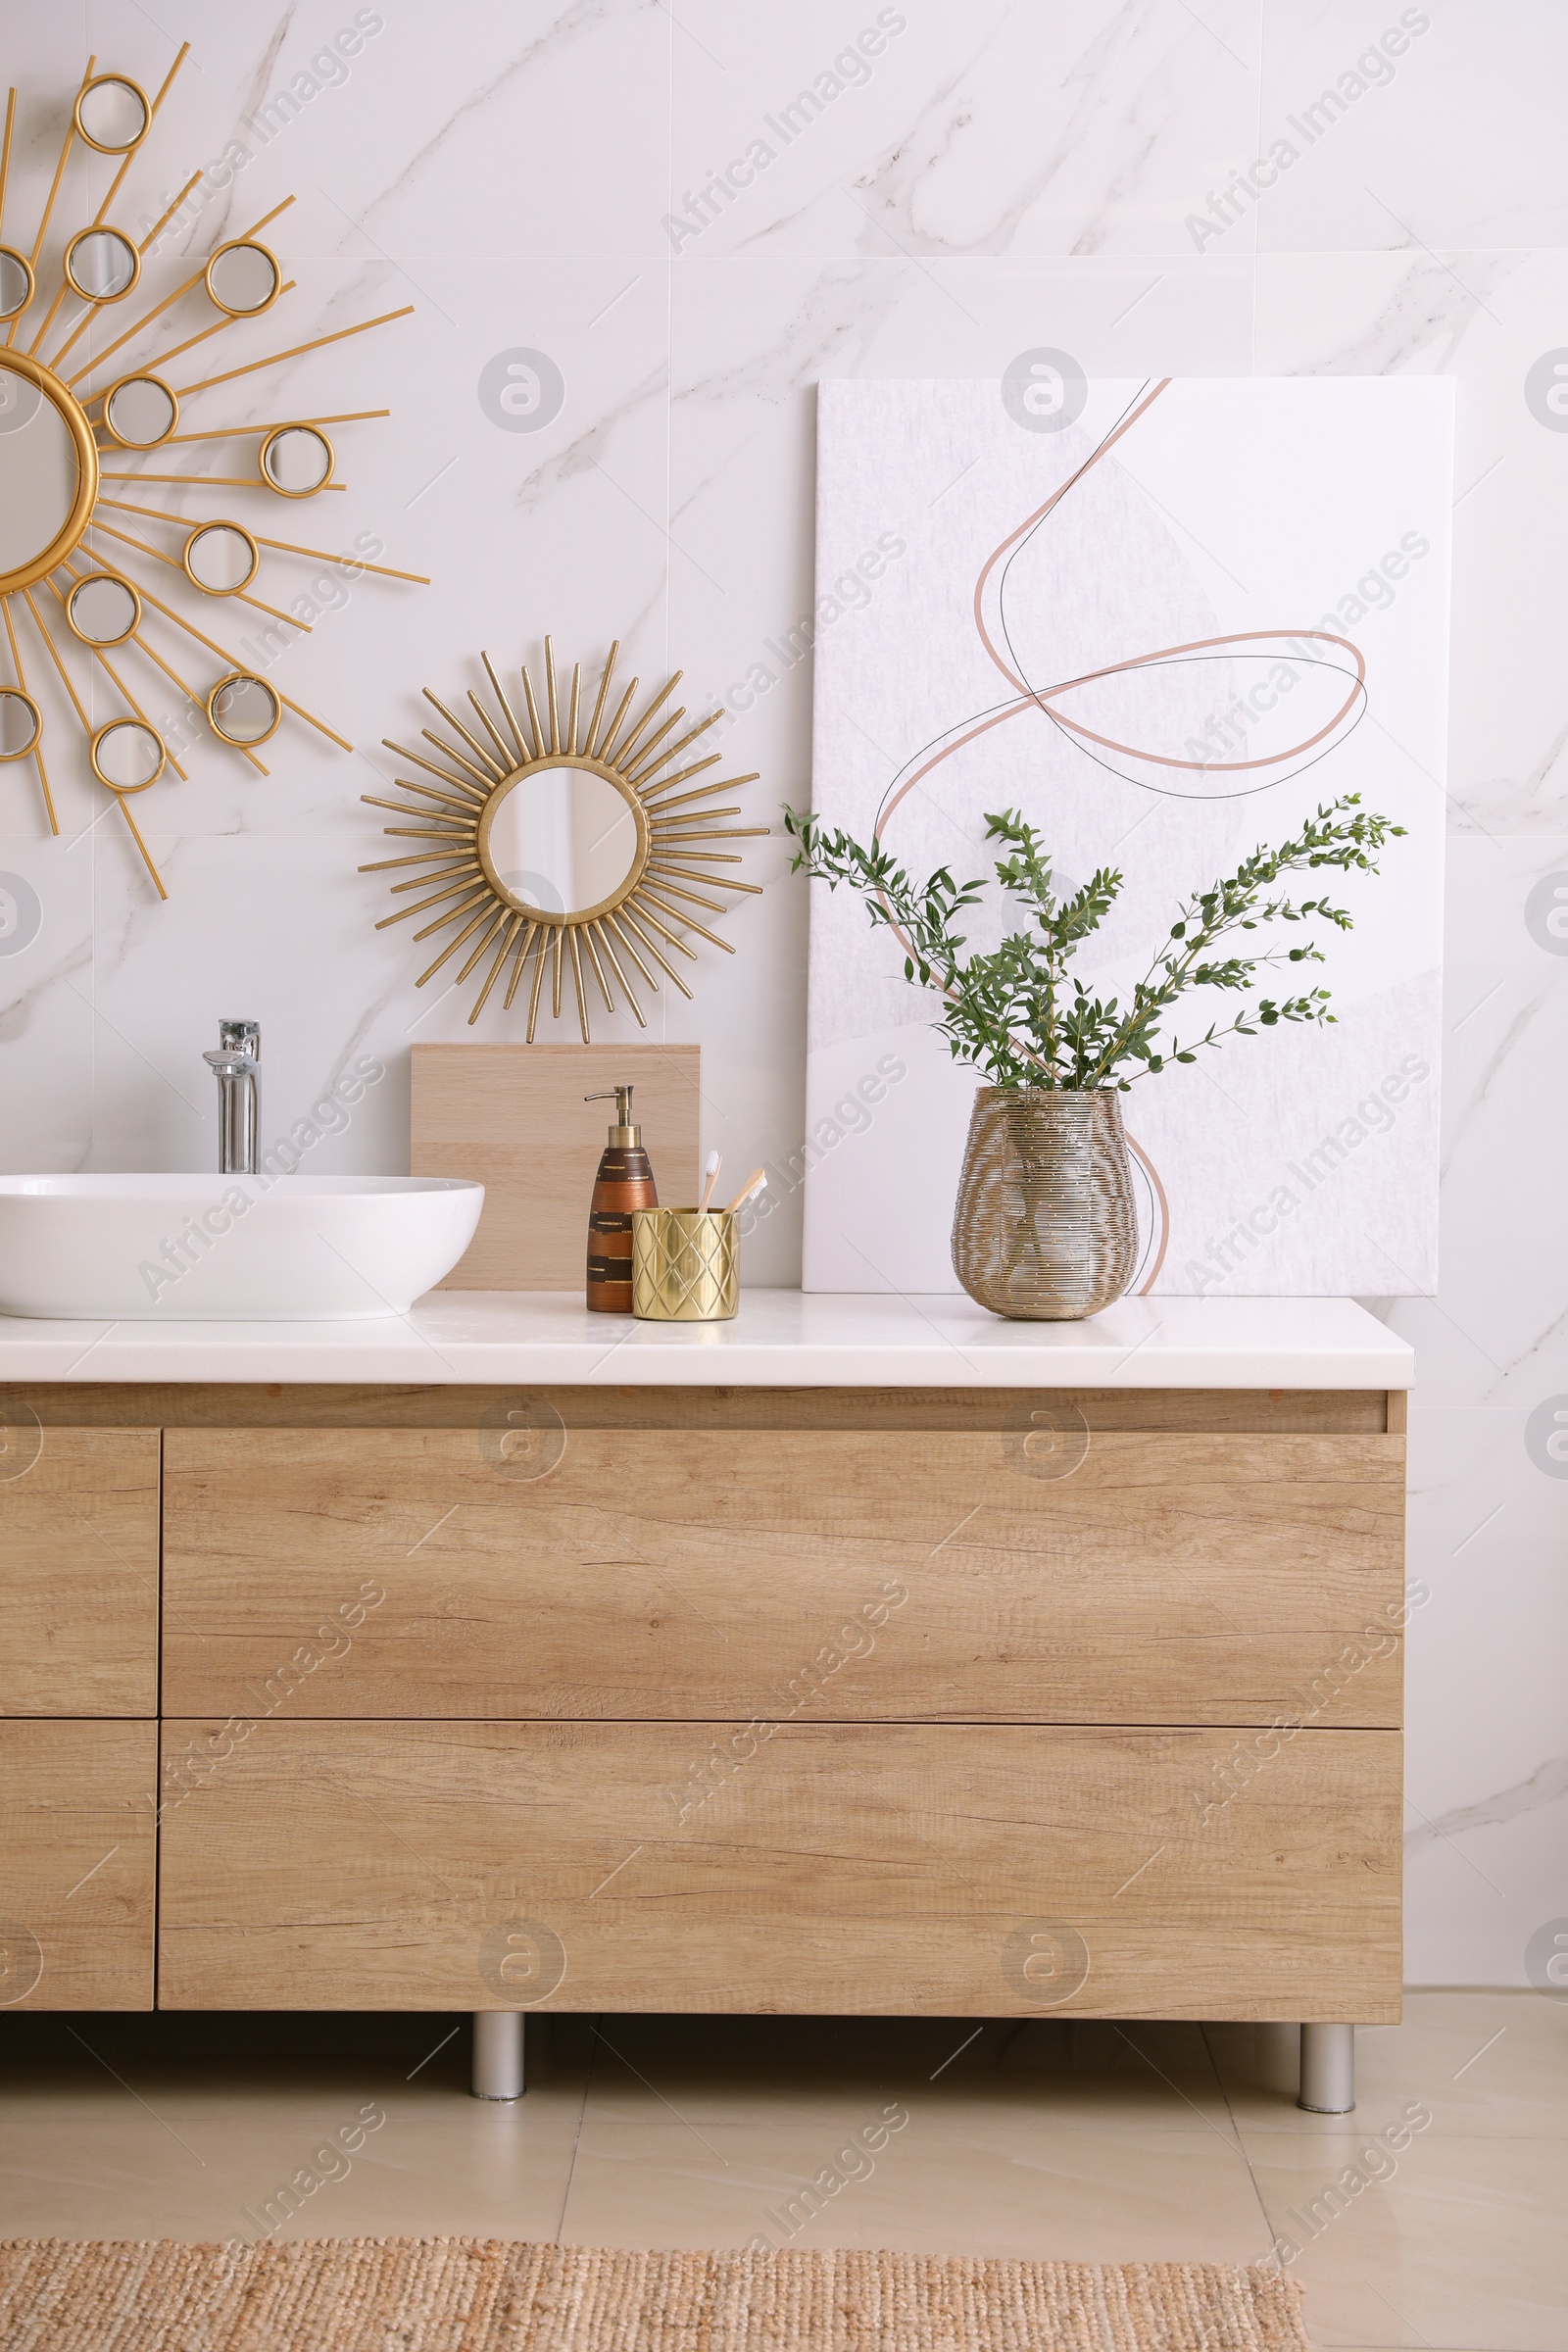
{"type": "Point", "coordinates": [78, 1591]}
{"type": "Point", "coordinates": [1172, 1578]}
{"type": "Point", "coordinates": [982, 1871]}
{"type": "Point", "coordinates": [77, 1863]}
{"type": "Point", "coordinates": [514, 1118]}
{"type": "Point", "coordinates": [348, 1404]}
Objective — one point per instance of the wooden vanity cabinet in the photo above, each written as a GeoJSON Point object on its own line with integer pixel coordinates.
{"type": "Point", "coordinates": [833, 1700]}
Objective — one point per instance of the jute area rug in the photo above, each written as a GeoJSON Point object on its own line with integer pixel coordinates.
{"type": "Point", "coordinates": [464, 2294]}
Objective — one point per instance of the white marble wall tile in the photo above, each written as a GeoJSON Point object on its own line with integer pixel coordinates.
{"type": "Point", "coordinates": [920, 130]}
{"type": "Point", "coordinates": [1486, 1748]}
{"type": "Point", "coordinates": [1450, 141]}
{"type": "Point", "coordinates": [1496, 1333]}
{"type": "Point", "coordinates": [1490, 321]}
{"type": "Point", "coordinates": [538, 128]}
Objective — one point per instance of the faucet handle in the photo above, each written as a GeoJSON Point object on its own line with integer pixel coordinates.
{"type": "Point", "coordinates": [240, 1037]}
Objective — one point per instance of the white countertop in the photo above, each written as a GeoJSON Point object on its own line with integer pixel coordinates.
{"type": "Point", "coordinates": [780, 1339]}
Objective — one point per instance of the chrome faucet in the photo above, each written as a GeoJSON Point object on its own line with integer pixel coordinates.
{"type": "Point", "coordinates": [239, 1048]}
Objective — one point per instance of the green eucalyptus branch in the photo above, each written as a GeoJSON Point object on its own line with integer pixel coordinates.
{"type": "Point", "coordinates": [1022, 1017]}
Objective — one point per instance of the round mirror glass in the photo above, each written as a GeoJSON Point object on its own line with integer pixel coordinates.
{"type": "Point", "coordinates": [242, 278]}
{"type": "Point", "coordinates": [140, 411]}
{"type": "Point", "coordinates": [220, 557]}
{"type": "Point", "coordinates": [127, 755]}
{"type": "Point", "coordinates": [243, 710]}
{"type": "Point", "coordinates": [558, 840]}
{"type": "Point", "coordinates": [102, 265]}
{"type": "Point", "coordinates": [102, 609]}
{"type": "Point", "coordinates": [39, 473]}
{"type": "Point", "coordinates": [112, 113]}
{"type": "Point", "coordinates": [19, 723]}
{"type": "Point", "coordinates": [16, 284]}
{"type": "Point", "coordinates": [296, 460]}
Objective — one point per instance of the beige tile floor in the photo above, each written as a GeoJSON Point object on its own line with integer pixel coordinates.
{"type": "Point", "coordinates": [1151, 2142]}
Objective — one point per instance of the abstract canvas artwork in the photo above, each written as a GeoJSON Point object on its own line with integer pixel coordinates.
{"type": "Point", "coordinates": [1165, 620]}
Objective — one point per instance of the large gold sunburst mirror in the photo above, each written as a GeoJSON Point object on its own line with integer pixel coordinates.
{"type": "Point", "coordinates": [80, 427]}
{"type": "Point", "coordinates": [571, 847]}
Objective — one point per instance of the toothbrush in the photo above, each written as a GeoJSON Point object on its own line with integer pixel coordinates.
{"type": "Point", "coordinates": [711, 1167]}
{"type": "Point", "coordinates": [755, 1183]}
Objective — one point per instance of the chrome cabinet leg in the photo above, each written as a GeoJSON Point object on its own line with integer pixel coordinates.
{"type": "Point", "coordinates": [498, 2054]}
{"type": "Point", "coordinates": [1328, 2070]}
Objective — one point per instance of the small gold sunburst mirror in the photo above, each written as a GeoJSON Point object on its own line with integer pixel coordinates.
{"type": "Point", "coordinates": [569, 846]}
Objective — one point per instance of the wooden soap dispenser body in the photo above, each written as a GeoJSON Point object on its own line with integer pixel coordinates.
{"type": "Point", "coordinates": [625, 1182]}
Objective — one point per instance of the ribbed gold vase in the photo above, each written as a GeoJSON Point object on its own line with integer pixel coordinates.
{"type": "Point", "coordinates": [1045, 1228]}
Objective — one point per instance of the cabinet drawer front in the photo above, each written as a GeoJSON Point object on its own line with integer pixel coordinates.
{"type": "Point", "coordinates": [76, 1865]}
{"type": "Point", "coordinates": [966, 1870]}
{"type": "Point", "coordinates": [1171, 1577]}
{"type": "Point", "coordinates": [78, 1596]}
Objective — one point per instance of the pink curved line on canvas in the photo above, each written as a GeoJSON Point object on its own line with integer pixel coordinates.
{"type": "Point", "coordinates": [1162, 1209]}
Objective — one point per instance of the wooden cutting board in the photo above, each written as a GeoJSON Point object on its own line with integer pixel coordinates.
{"type": "Point", "coordinates": [514, 1118]}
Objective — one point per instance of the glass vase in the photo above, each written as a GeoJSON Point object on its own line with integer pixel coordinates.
{"type": "Point", "coordinates": [1045, 1229]}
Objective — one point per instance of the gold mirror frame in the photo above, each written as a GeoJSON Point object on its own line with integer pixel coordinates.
{"type": "Point", "coordinates": [645, 921]}
{"type": "Point", "coordinates": [68, 535]}
{"type": "Point", "coordinates": [118, 494]}
{"type": "Point", "coordinates": [576, 763]}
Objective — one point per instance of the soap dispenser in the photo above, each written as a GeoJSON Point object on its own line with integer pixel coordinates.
{"type": "Point", "coordinates": [625, 1182]}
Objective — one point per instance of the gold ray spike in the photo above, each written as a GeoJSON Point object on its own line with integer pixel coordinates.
{"type": "Point", "coordinates": [645, 760]}
{"type": "Point", "coordinates": [533, 714]}
{"type": "Point", "coordinates": [609, 735]}
{"type": "Point", "coordinates": [518, 960]}
{"type": "Point", "coordinates": [550, 689]}
{"type": "Point", "coordinates": [576, 982]}
{"type": "Point", "coordinates": [321, 555]}
{"type": "Point", "coordinates": [480, 775]}
{"type": "Point", "coordinates": [498, 923]}
{"type": "Point", "coordinates": [675, 749]}
{"type": "Point", "coordinates": [500, 698]}
{"type": "Point", "coordinates": [487, 762]}
{"type": "Point", "coordinates": [627, 918]}
{"type": "Point", "coordinates": [275, 358]}
{"type": "Point", "coordinates": [599, 969]}
{"type": "Point", "coordinates": [619, 752]}
{"type": "Point", "coordinates": [275, 424]}
{"type": "Point", "coordinates": [5, 151]}
{"type": "Point", "coordinates": [557, 854]}
{"type": "Point", "coordinates": [599, 701]}
{"type": "Point", "coordinates": [43, 226]}
{"type": "Point", "coordinates": [598, 931]}
{"type": "Point", "coordinates": [16, 650]}
{"type": "Point", "coordinates": [538, 977]}
{"type": "Point", "coordinates": [609, 924]}
{"type": "Point", "coordinates": [501, 957]}
{"type": "Point", "coordinates": [465, 891]}
{"type": "Point", "coordinates": [460, 783]}
{"type": "Point", "coordinates": [652, 793]}
{"type": "Point", "coordinates": [492, 730]}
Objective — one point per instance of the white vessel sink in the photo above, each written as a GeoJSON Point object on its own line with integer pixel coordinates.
{"type": "Point", "coordinates": [229, 1248]}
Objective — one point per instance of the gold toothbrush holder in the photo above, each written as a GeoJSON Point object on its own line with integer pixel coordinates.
{"type": "Point", "coordinates": [683, 1265]}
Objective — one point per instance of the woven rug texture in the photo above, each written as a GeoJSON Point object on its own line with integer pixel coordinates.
{"type": "Point", "coordinates": [464, 2294]}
